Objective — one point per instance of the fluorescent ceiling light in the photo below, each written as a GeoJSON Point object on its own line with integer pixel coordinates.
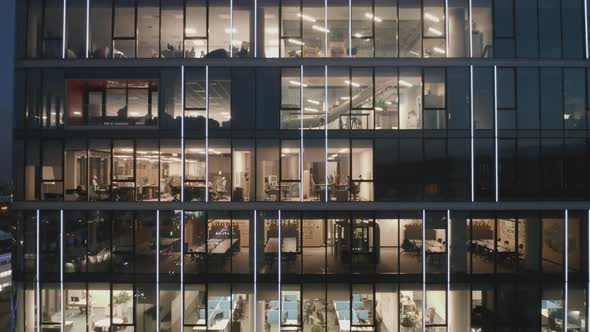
{"type": "Point", "coordinates": [297, 83]}
{"type": "Point", "coordinates": [231, 30]}
{"type": "Point", "coordinates": [309, 109]}
{"type": "Point", "coordinates": [375, 18]}
{"type": "Point", "coordinates": [415, 53]}
{"type": "Point", "coordinates": [439, 50]}
{"type": "Point", "coordinates": [388, 102]}
{"type": "Point", "coordinates": [356, 85]}
{"type": "Point", "coordinates": [344, 98]}
{"type": "Point", "coordinates": [405, 83]}
{"type": "Point", "coordinates": [378, 109]}
{"type": "Point", "coordinates": [319, 28]}
{"type": "Point", "coordinates": [311, 101]}
{"type": "Point", "coordinates": [295, 41]}
{"type": "Point", "coordinates": [307, 18]}
{"type": "Point", "coordinates": [190, 30]}
{"type": "Point", "coordinates": [431, 17]}
{"type": "Point", "coordinates": [273, 31]}
{"type": "Point", "coordinates": [358, 35]}
{"type": "Point", "coordinates": [435, 31]}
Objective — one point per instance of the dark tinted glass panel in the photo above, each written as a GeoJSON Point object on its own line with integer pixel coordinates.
{"type": "Point", "coordinates": [551, 98]}
{"type": "Point", "coordinates": [527, 42]}
{"type": "Point", "coordinates": [550, 28]}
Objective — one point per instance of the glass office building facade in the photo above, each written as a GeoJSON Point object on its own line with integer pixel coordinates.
{"type": "Point", "coordinates": [302, 165]}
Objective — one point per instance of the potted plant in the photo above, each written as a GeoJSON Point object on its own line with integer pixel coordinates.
{"type": "Point", "coordinates": [408, 322]}
{"type": "Point", "coordinates": [120, 302]}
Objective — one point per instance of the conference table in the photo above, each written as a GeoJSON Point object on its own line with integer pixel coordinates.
{"type": "Point", "coordinates": [288, 245]}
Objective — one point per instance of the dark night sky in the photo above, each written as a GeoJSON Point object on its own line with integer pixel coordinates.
{"type": "Point", "coordinates": [7, 25]}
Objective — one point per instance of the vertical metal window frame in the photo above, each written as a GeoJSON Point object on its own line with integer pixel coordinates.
{"type": "Point", "coordinates": [586, 29]}
{"type": "Point", "coordinates": [326, 191]}
{"type": "Point", "coordinates": [182, 140]}
{"type": "Point", "coordinates": [423, 253]}
{"type": "Point", "coordinates": [566, 268]}
{"type": "Point", "coordinates": [207, 134]}
{"type": "Point", "coordinates": [349, 28]}
{"type": "Point", "coordinates": [301, 183]}
{"type": "Point", "coordinates": [87, 28]}
{"type": "Point", "coordinates": [446, 29]}
{"type": "Point", "coordinates": [496, 132]}
{"type": "Point", "coordinates": [448, 301]}
{"type": "Point", "coordinates": [255, 270]}
{"type": "Point", "coordinates": [63, 47]}
{"type": "Point", "coordinates": [157, 270]}
{"type": "Point", "coordinates": [471, 42]}
{"type": "Point", "coordinates": [472, 142]}
{"type": "Point", "coordinates": [231, 28]}
{"type": "Point", "coordinates": [61, 266]}
{"type": "Point", "coordinates": [182, 265]}
{"type": "Point", "coordinates": [37, 277]}
{"type": "Point", "coordinates": [255, 44]}
{"type": "Point", "coordinates": [279, 288]}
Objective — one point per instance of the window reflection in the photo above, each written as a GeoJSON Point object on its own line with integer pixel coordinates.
{"type": "Point", "coordinates": [76, 166]}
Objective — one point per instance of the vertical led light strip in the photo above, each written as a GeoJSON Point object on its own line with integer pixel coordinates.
{"type": "Point", "coordinates": [565, 263]}
{"type": "Point", "coordinates": [61, 267]}
{"type": "Point", "coordinates": [350, 28]}
{"type": "Point", "coordinates": [447, 28]}
{"type": "Point", "coordinates": [301, 172]}
{"type": "Point", "coordinates": [255, 28]}
{"type": "Point", "coordinates": [182, 267]}
{"type": "Point", "coordinates": [326, 197]}
{"type": "Point", "coordinates": [182, 145]}
{"type": "Point", "coordinates": [255, 269]}
{"type": "Point", "coordinates": [231, 28]}
{"type": "Point", "coordinates": [588, 267]}
{"type": "Point", "coordinates": [496, 128]}
{"type": "Point", "coordinates": [63, 32]}
{"type": "Point", "coordinates": [470, 31]}
{"type": "Point", "coordinates": [423, 268]}
{"type": "Point", "coordinates": [280, 243]}
{"type": "Point", "coordinates": [449, 323]}
{"type": "Point", "coordinates": [471, 134]}
{"type": "Point", "coordinates": [326, 29]}
{"type": "Point", "coordinates": [586, 25]}
{"type": "Point", "coordinates": [87, 28]}
{"type": "Point", "coordinates": [157, 270]}
{"type": "Point", "coordinates": [207, 134]}
{"type": "Point", "coordinates": [37, 284]}
{"type": "Point", "coordinates": [565, 238]}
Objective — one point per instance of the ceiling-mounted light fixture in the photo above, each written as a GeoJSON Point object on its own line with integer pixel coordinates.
{"type": "Point", "coordinates": [431, 18]}
{"type": "Point", "coordinates": [435, 31]}
{"type": "Point", "coordinates": [319, 28]}
{"type": "Point", "coordinates": [405, 83]}
{"type": "Point", "coordinates": [295, 41]}
{"type": "Point", "coordinates": [307, 18]}
{"type": "Point", "coordinates": [354, 84]}
{"type": "Point", "coordinates": [438, 50]}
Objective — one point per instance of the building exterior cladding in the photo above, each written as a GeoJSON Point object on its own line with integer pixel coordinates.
{"type": "Point", "coordinates": [302, 165]}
